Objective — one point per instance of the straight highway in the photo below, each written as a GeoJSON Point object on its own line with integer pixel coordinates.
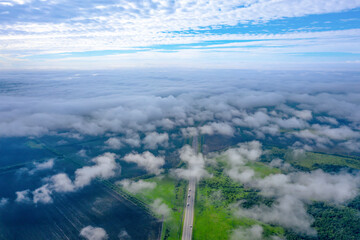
{"type": "Point", "coordinates": [190, 202]}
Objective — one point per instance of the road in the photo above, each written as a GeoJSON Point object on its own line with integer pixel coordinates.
{"type": "Point", "coordinates": [189, 211]}
{"type": "Point", "coordinates": [190, 203]}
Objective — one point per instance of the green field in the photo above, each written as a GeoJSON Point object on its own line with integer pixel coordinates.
{"type": "Point", "coordinates": [314, 160]}
{"type": "Point", "coordinates": [172, 193]}
{"type": "Point", "coordinates": [215, 199]}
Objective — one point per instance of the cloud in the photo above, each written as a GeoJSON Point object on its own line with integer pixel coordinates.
{"type": "Point", "coordinates": [287, 211]}
{"type": "Point", "coordinates": [124, 235]}
{"type": "Point", "coordinates": [195, 164]}
{"type": "Point", "coordinates": [292, 191]}
{"type": "Point", "coordinates": [146, 160]}
{"type": "Point", "coordinates": [61, 183]}
{"type": "Point", "coordinates": [104, 167]}
{"type": "Point", "coordinates": [114, 143]}
{"type": "Point", "coordinates": [42, 195]}
{"type": "Point", "coordinates": [3, 202]}
{"type": "Point", "coordinates": [135, 187]}
{"type": "Point", "coordinates": [154, 139]}
{"type": "Point", "coordinates": [253, 233]}
{"type": "Point", "coordinates": [42, 166]}
{"type": "Point", "coordinates": [22, 196]}
{"type": "Point", "coordinates": [93, 233]}
{"type": "Point", "coordinates": [217, 128]}
{"type": "Point", "coordinates": [160, 208]}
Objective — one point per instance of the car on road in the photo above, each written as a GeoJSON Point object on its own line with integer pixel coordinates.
{"type": "Point", "coordinates": [189, 195]}
{"type": "Point", "coordinates": [187, 204]}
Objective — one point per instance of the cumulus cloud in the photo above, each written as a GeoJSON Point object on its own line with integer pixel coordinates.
{"type": "Point", "coordinates": [253, 233]}
{"type": "Point", "coordinates": [195, 164]}
{"type": "Point", "coordinates": [42, 166]}
{"type": "Point", "coordinates": [135, 187]}
{"type": "Point", "coordinates": [93, 233]}
{"type": "Point", "coordinates": [217, 128]}
{"type": "Point", "coordinates": [104, 167]}
{"type": "Point", "coordinates": [160, 208]}
{"type": "Point", "coordinates": [146, 160]}
{"type": "Point", "coordinates": [61, 183]}
{"type": "Point", "coordinates": [292, 191]}
{"type": "Point", "coordinates": [42, 195]}
{"type": "Point", "coordinates": [154, 139]}
{"type": "Point", "coordinates": [3, 202]}
{"type": "Point", "coordinates": [114, 143]}
{"type": "Point", "coordinates": [22, 196]}
{"type": "Point", "coordinates": [287, 211]}
{"type": "Point", "coordinates": [124, 235]}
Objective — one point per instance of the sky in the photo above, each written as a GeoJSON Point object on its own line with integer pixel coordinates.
{"type": "Point", "coordinates": [235, 34]}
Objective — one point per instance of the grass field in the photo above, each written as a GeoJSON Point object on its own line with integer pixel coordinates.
{"type": "Point", "coordinates": [216, 196]}
{"type": "Point", "coordinates": [172, 193]}
{"type": "Point", "coordinates": [314, 160]}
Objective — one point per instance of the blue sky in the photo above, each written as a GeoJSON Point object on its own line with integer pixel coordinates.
{"type": "Point", "coordinates": [244, 34]}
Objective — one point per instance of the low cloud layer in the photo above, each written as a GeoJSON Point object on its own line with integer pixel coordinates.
{"type": "Point", "coordinates": [136, 187]}
{"type": "Point", "coordinates": [195, 164]}
{"type": "Point", "coordinates": [105, 167]}
{"type": "Point", "coordinates": [93, 233]}
{"type": "Point", "coordinates": [253, 233]}
{"type": "Point", "coordinates": [160, 208]}
{"type": "Point", "coordinates": [291, 192]}
{"type": "Point", "coordinates": [147, 161]}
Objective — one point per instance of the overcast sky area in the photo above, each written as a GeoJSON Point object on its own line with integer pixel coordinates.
{"type": "Point", "coordinates": [246, 34]}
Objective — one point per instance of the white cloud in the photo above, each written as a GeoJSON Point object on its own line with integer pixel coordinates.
{"type": "Point", "coordinates": [255, 232]}
{"type": "Point", "coordinates": [3, 202]}
{"type": "Point", "coordinates": [135, 187]}
{"type": "Point", "coordinates": [22, 196]}
{"type": "Point", "coordinates": [217, 128]}
{"type": "Point", "coordinates": [114, 143]}
{"type": "Point", "coordinates": [195, 164]}
{"type": "Point", "coordinates": [160, 208]}
{"type": "Point", "coordinates": [49, 164]}
{"type": "Point", "coordinates": [42, 195]}
{"type": "Point", "coordinates": [153, 140]}
{"type": "Point", "coordinates": [146, 160]}
{"type": "Point", "coordinates": [104, 167]}
{"type": "Point", "coordinates": [93, 233]}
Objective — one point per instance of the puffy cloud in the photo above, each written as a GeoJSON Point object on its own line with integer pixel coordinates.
{"type": "Point", "coordinates": [22, 196]}
{"type": "Point", "coordinates": [245, 152]}
{"type": "Point", "coordinates": [104, 167]}
{"type": "Point", "coordinates": [146, 160]}
{"type": "Point", "coordinates": [217, 128]}
{"type": "Point", "coordinates": [93, 233]}
{"type": "Point", "coordinates": [304, 114]}
{"type": "Point", "coordinates": [292, 191]}
{"type": "Point", "coordinates": [124, 235]}
{"type": "Point", "coordinates": [287, 211]}
{"type": "Point", "coordinates": [160, 208]}
{"type": "Point", "coordinates": [195, 164]}
{"type": "Point", "coordinates": [42, 166]}
{"type": "Point", "coordinates": [135, 187]}
{"type": "Point", "coordinates": [253, 233]}
{"type": "Point", "coordinates": [42, 195]}
{"type": "Point", "coordinates": [154, 139]}
{"type": "Point", "coordinates": [61, 183]}
{"type": "Point", "coordinates": [114, 143]}
{"type": "Point", "coordinates": [3, 202]}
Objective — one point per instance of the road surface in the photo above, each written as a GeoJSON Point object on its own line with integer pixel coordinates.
{"type": "Point", "coordinates": [190, 202]}
{"type": "Point", "coordinates": [189, 211]}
